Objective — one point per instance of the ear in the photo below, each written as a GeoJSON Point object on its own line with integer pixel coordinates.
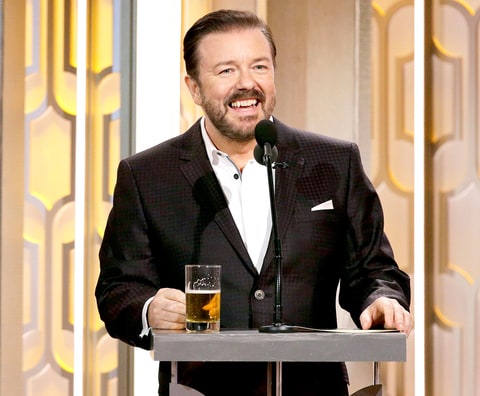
{"type": "Point", "coordinates": [194, 89]}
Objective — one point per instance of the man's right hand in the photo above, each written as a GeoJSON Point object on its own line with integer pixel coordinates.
{"type": "Point", "coordinates": [167, 310]}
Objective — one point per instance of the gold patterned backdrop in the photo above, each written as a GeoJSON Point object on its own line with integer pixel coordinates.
{"type": "Point", "coordinates": [103, 155]}
{"type": "Point", "coordinates": [49, 201]}
{"type": "Point", "coordinates": [49, 221]}
{"type": "Point", "coordinates": [453, 190]}
{"type": "Point", "coordinates": [392, 145]}
{"type": "Point", "coordinates": [455, 146]}
{"type": "Point", "coordinates": [453, 138]}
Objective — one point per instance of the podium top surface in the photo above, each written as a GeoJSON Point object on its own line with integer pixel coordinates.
{"type": "Point", "coordinates": [251, 346]}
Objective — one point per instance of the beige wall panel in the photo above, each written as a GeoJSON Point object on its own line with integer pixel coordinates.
{"type": "Point", "coordinates": [392, 132]}
{"type": "Point", "coordinates": [454, 140]}
{"type": "Point", "coordinates": [316, 64]}
{"type": "Point", "coordinates": [290, 31]}
{"type": "Point", "coordinates": [331, 68]}
{"type": "Point", "coordinates": [235, 4]}
{"type": "Point", "coordinates": [392, 148]}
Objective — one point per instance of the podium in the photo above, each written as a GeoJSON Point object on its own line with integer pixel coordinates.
{"type": "Point", "coordinates": [252, 346]}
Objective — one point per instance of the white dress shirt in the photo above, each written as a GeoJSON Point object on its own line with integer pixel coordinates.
{"type": "Point", "coordinates": [247, 196]}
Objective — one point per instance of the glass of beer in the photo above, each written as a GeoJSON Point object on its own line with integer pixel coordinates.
{"type": "Point", "coordinates": [202, 289]}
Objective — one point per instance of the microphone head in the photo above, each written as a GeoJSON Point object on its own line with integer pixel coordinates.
{"type": "Point", "coordinates": [266, 132]}
{"type": "Point", "coordinates": [259, 154]}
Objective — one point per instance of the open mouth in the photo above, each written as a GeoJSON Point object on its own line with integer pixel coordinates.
{"type": "Point", "coordinates": [243, 104]}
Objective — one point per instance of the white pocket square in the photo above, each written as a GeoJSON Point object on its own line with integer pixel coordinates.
{"type": "Point", "coordinates": [323, 206]}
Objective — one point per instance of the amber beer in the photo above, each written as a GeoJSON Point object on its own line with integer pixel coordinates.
{"type": "Point", "coordinates": [203, 310]}
{"type": "Point", "coordinates": [202, 289]}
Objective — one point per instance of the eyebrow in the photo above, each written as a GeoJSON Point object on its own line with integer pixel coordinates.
{"type": "Point", "coordinates": [229, 62]}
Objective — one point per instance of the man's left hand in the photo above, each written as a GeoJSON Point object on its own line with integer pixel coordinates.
{"type": "Point", "coordinates": [388, 313]}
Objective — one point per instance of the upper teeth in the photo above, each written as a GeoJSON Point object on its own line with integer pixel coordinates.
{"type": "Point", "coordinates": [244, 103]}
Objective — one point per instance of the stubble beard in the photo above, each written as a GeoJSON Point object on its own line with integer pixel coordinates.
{"type": "Point", "coordinates": [218, 117]}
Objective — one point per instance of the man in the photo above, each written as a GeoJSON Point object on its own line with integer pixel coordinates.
{"type": "Point", "coordinates": [202, 198]}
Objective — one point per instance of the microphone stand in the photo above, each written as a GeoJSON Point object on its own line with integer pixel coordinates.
{"type": "Point", "coordinates": [278, 326]}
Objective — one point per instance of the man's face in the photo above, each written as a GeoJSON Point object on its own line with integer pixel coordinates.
{"type": "Point", "coordinates": [235, 84]}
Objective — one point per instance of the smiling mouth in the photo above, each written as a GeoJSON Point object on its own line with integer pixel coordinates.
{"type": "Point", "coordinates": [243, 104]}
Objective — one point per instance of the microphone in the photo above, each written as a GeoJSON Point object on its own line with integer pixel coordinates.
{"type": "Point", "coordinates": [266, 153]}
{"type": "Point", "coordinates": [259, 154]}
{"type": "Point", "coordinates": [266, 136]}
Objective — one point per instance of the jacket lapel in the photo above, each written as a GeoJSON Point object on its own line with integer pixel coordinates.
{"type": "Point", "coordinates": [207, 190]}
{"type": "Point", "coordinates": [285, 183]}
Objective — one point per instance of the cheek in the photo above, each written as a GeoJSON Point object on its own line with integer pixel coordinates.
{"type": "Point", "coordinates": [271, 98]}
{"type": "Point", "coordinates": [272, 90]}
{"type": "Point", "coordinates": [268, 88]}
{"type": "Point", "coordinates": [217, 87]}
{"type": "Point", "coordinates": [215, 95]}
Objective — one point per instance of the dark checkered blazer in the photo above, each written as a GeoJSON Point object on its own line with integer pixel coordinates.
{"type": "Point", "coordinates": [169, 210]}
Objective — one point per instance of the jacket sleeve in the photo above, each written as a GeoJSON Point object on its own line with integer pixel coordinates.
{"type": "Point", "coordinates": [128, 275]}
{"type": "Point", "coordinates": [370, 269]}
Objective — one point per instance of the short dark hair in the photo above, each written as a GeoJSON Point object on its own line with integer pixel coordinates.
{"type": "Point", "coordinates": [221, 21]}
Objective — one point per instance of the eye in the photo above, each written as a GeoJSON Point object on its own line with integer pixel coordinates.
{"type": "Point", "coordinates": [226, 71]}
{"type": "Point", "coordinates": [260, 67]}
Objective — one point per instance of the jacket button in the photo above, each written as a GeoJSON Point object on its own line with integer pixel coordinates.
{"type": "Point", "coordinates": [259, 294]}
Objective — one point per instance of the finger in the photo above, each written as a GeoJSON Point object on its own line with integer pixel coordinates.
{"type": "Point", "coordinates": [167, 320]}
{"type": "Point", "coordinates": [398, 318]}
{"type": "Point", "coordinates": [403, 321]}
{"type": "Point", "coordinates": [167, 309]}
{"type": "Point", "coordinates": [408, 323]}
{"type": "Point", "coordinates": [163, 305]}
{"type": "Point", "coordinates": [366, 319]}
{"type": "Point", "coordinates": [380, 312]}
{"type": "Point", "coordinates": [390, 315]}
{"type": "Point", "coordinates": [172, 294]}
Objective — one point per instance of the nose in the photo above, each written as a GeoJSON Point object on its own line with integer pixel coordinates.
{"type": "Point", "coordinates": [245, 80]}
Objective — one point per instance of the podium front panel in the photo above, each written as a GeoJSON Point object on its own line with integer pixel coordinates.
{"type": "Point", "coordinates": [253, 346]}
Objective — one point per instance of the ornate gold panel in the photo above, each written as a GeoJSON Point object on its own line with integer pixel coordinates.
{"type": "Point", "coordinates": [392, 121]}
{"type": "Point", "coordinates": [49, 215]}
{"type": "Point", "coordinates": [454, 142]}
{"type": "Point", "coordinates": [456, 197]}
{"type": "Point", "coordinates": [101, 361]}
{"type": "Point", "coordinates": [392, 145]}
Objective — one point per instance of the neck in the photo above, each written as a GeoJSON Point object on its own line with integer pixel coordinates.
{"type": "Point", "coordinates": [239, 152]}
{"type": "Point", "coordinates": [240, 159]}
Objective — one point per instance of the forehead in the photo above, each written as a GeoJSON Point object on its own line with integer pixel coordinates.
{"type": "Point", "coordinates": [233, 45]}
